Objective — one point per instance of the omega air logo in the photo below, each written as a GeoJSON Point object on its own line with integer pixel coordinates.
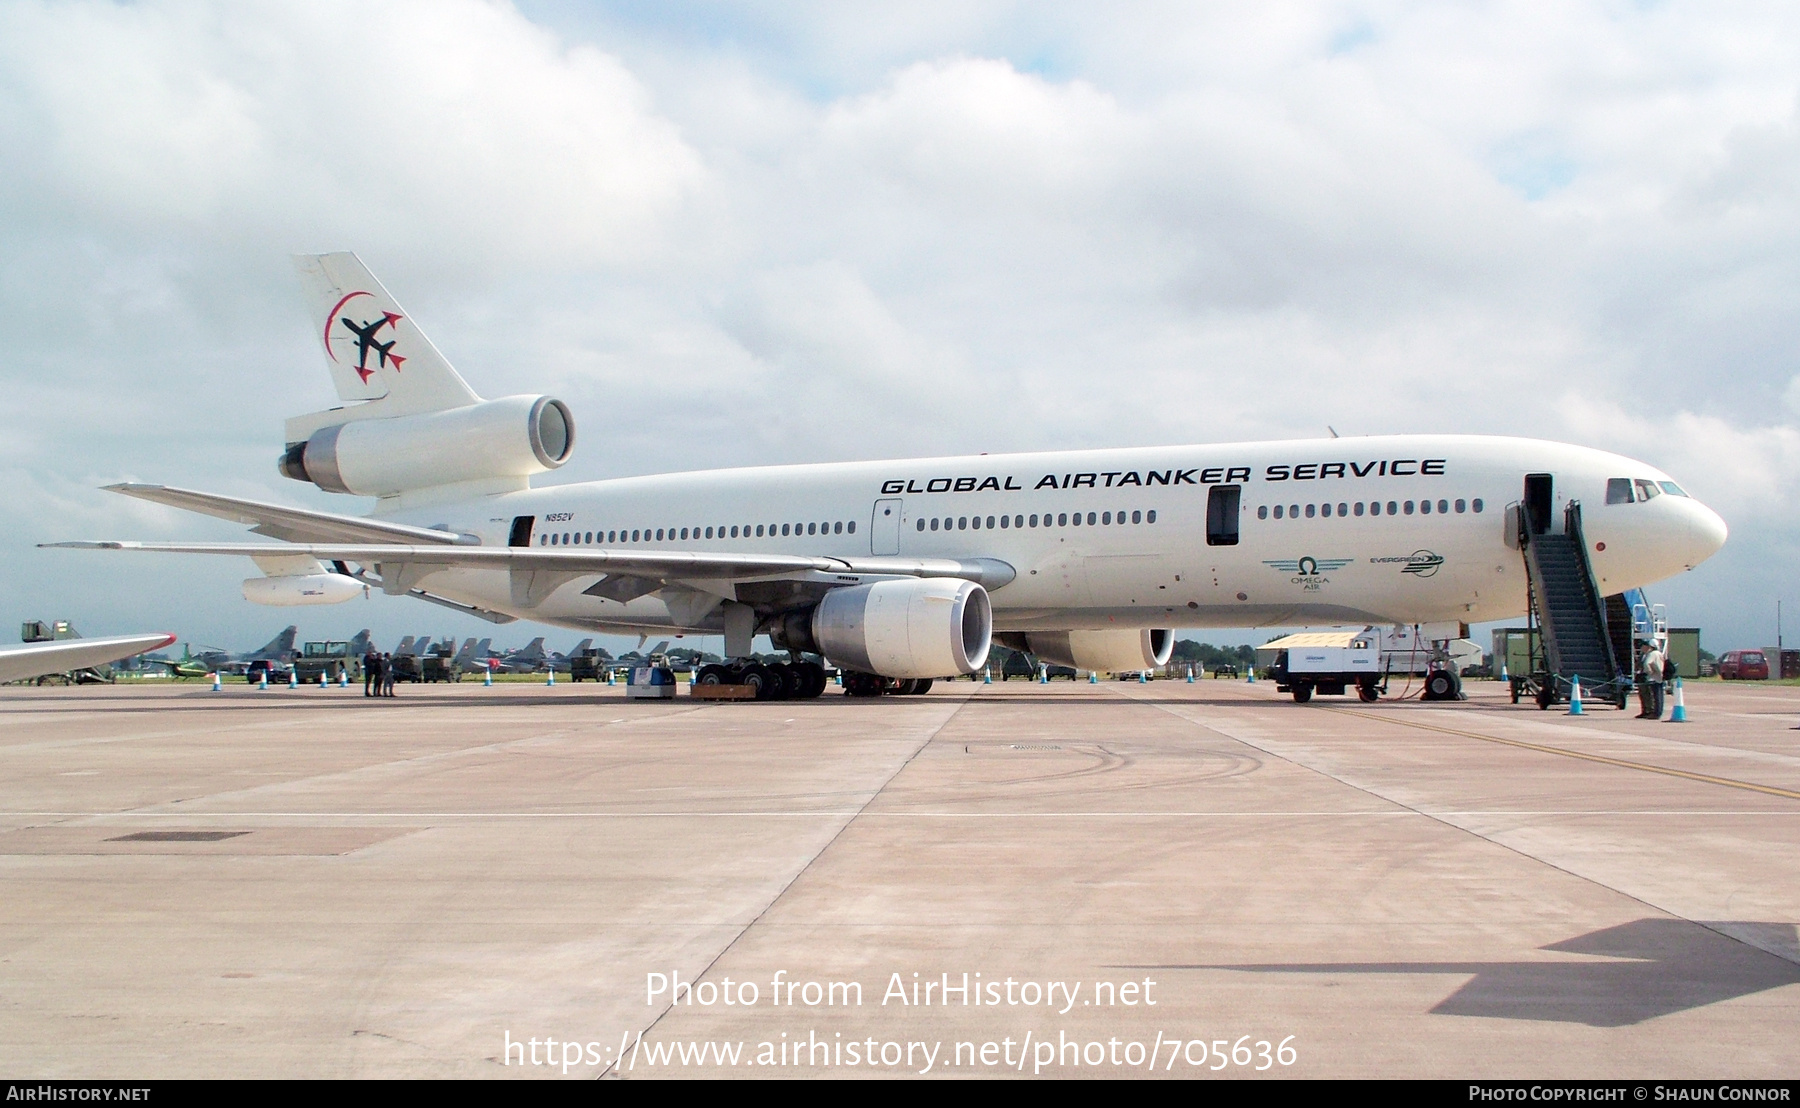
{"type": "Point", "coordinates": [1210, 475]}
{"type": "Point", "coordinates": [1309, 572]}
{"type": "Point", "coordinates": [1420, 563]}
{"type": "Point", "coordinates": [365, 334]}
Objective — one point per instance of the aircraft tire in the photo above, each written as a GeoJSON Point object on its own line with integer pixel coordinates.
{"type": "Point", "coordinates": [863, 684]}
{"type": "Point", "coordinates": [922, 686]}
{"type": "Point", "coordinates": [907, 686]}
{"type": "Point", "coordinates": [757, 677]}
{"type": "Point", "coordinates": [1440, 686]}
{"type": "Point", "coordinates": [813, 680]}
{"type": "Point", "coordinates": [712, 674]}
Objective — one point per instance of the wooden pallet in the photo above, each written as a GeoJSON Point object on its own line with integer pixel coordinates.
{"type": "Point", "coordinates": [722, 692]}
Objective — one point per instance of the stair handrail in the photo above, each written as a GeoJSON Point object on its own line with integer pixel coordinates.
{"type": "Point", "coordinates": [1578, 539]}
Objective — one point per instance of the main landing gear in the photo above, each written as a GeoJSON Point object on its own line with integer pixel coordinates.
{"type": "Point", "coordinates": [776, 681]}
{"type": "Point", "coordinates": [870, 684]}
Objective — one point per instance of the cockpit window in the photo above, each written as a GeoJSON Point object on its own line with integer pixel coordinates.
{"type": "Point", "coordinates": [1647, 490]}
{"type": "Point", "coordinates": [1618, 490]}
{"type": "Point", "coordinates": [1671, 488]}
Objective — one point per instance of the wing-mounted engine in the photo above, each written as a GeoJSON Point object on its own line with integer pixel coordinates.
{"type": "Point", "coordinates": [915, 628]}
{"type": "Point", "coordinates": [507, 440]}
{"type": "Point", "coordinates": [1103, 651]}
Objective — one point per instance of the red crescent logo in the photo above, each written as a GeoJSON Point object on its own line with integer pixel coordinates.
{"type": "Point", "coordinates": [331, 318]}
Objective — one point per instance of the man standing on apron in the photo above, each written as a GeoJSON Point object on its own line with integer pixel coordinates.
{"type": "Point", "coordinates": [1650, 672]}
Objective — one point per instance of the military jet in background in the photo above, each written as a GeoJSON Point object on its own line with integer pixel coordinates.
{"type": "Point", "coordinates": [277, 653]}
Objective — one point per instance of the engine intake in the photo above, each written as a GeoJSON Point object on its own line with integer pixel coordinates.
{"type": "Point", "coordinates": [924, 627]}
{"type": "Point", "coordinates": [1103, 651]}
{"type": "Point", "coordinates": [512, 437]}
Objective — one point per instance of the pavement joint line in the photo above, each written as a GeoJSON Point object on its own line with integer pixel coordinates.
{"type": "Point", "coordinates": [1622, 763]}
{"type": "Point", "coordinates": [613, 1068]}
{"type": "Point", "coordinates": [1444, 820]}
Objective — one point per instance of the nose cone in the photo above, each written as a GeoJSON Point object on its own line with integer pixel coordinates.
{"type": "Point", "coordinates": [1703, 532]}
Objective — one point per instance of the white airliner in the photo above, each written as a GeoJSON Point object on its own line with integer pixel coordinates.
{"type": "Point", "coordinates": [906, 570]}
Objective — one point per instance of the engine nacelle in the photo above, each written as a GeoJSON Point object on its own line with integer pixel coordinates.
{"type": "Point", "coordinates": [312, 588]}
{"type": "Point", "coordinates": [514, 436]}
{"type": "Point", "coordinates": [1103, 651]}
{"type": "Point", "coordinates": [924, 627]}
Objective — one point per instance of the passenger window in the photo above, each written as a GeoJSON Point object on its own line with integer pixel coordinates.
{"type": "Point", "coordinates": [543, 540]}
{"type": "Point", "coordinates": [1106, 518]}
{"type": "Point", "coordinates": [975, 523]}
{"type": "Point", "coordinates": [1359, 507]}
{"type": "Point", "coordinates": [837, 528]}
{"type": "Point", "coordinates": [1618, 490]}
{"type": "Point", "coordinates": [784, 530]}
{"type": "Point", "coordinates": [1476, 504]}
{"type": "Point", "coordinates": [1309, 511]}
{"type": "Point", "coordinates": [1150, 516]}
{"type": "Point", "coordinates": [1279, 511]}
{"type": "Point", "coordinates": [1343, 510]}
{"type": "Point", "coordinates": [1062, 519]}
{"type": "Point", "coordinates": [921, 525]}
{"type": "Point", "coordinates": [812, 528]}
{"type": "Point", "coordinates": [852, 527]}
{"type": "Point", "coordinates": [1034, 519]}
{"type": "Point", "coordinates": [1394, 508]}
{"type": "Point", "coordinates": [659, 534]}
{"type": "Point", "coordinates": [1005, 521]}
{"type": "Point", "coordinates": [1137, 517]}
{"type": "Point", "coordinates": [990, 523]}
{"type": "Point", "coordinates": [934, 523]}
{"type": "Point", "coordinates": [962, 523]}
{"type": "Point", "coordinates": [734, 532]}
{"type": "Point", "coordinates": [1409, 507]}
{"type": "Point", "coordinates": [1424, 507]}
{"type": "Point", "coordinates": [1262, 511]}
{"type": "Point", "coordinates": [1461, 507]}
{"type": "Point", "coordinates": [1443, 507]}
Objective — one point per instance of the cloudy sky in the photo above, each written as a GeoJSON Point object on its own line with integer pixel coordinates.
{"type": "Point", "coordinates": [750, 233]}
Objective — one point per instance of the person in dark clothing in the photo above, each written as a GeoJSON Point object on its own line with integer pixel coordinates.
{"type": "Point", "coordinates": [371, 663]}
{"type": "Point", "coordinates": [387, 675]}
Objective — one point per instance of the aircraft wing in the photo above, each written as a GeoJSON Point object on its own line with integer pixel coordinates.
{"type": "Point", "coordinates": [537, 572]}
{"type": "Point", "coordinates": [39, 658]}
{"type": "Point", "coordinates": [293, 524]}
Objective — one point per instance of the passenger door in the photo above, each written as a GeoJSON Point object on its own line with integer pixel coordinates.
{"type": "Point", "coordinates": [884, 527]}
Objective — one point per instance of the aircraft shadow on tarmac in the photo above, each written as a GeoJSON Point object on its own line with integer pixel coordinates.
{"type": "Point", "coordinates": [1660, 966]}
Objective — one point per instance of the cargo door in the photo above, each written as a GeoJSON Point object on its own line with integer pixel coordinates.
{"type": "Point", "coordinates": [884, 527]}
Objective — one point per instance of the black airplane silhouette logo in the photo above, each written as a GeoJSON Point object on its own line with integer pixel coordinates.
{"type": "Point", "coordinates": [365, 342]}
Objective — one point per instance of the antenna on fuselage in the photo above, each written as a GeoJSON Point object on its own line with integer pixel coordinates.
{"type": "Point", "coordinates": [1333, 430]}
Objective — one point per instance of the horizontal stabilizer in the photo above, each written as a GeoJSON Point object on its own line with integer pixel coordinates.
{"type": "Point", "coordinates": [18, 663]}
{"type": "Point", "coordinates": [291, 524]}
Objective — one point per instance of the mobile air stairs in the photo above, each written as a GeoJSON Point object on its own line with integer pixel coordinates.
{"type": "Point", "coordinates": [1581, 634]}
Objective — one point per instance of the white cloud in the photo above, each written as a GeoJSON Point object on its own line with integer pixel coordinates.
{"type": "Point", "coordinates": [804, 232]}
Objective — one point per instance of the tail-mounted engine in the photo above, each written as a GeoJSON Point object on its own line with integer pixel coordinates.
{"type": "Point", "coordinates": [512, 437]}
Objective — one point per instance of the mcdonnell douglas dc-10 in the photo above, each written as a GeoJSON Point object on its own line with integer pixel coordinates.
{"type": "Point", "coordinates": [899, 572]}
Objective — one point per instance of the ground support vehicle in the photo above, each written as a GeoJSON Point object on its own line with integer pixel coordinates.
{"type": "Point", "coordinates": [585, 666]}
{"type": "Point", "coordinates": [1328, 662]}
{"type": "Point", "coordinates": [439, 665]}
{"type": "Point", "coordinates": [330, 660]}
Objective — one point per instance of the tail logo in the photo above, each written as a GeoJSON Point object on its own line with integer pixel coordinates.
{"type": "Point", "coordinates": [366, 335]}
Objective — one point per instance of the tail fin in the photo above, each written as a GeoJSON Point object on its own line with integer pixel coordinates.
{"type": "Point", "coordinates": [467, 654]}
{"type": "Point", "coordinates": [281, 644]}
{"type": "Point", "coordinates": [361, 644]}
{"type": "Point", "coordinates": [405, 646]}
{"type": "Point", "coordinates": [374, 350]}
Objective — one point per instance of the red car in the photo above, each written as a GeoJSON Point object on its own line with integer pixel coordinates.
{"type": "Point", "coordinates": [1744, 665]}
